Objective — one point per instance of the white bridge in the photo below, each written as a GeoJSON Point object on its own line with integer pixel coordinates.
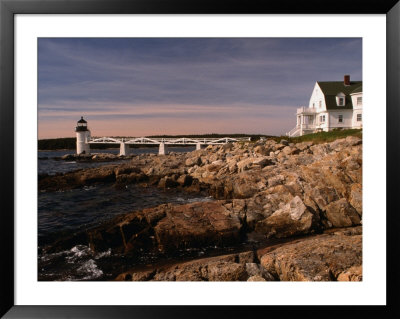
{"type": "Point", "coordinates": [162, 142]}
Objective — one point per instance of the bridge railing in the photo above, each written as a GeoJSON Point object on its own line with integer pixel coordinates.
{"type": "Point", "coordinates": [156, 141]}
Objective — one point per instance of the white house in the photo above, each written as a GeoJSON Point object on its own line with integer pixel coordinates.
{"type": "Point", "coordinates": [332, 105]}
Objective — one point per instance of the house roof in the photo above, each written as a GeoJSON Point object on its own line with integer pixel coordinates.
{"type": "Point", "coordinates": [331, 89]}
{"type": "Point", "coordinates": [357, 90]}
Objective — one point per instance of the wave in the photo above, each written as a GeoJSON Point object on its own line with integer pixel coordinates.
{"type": "Point", "coordinates": [77, 263]}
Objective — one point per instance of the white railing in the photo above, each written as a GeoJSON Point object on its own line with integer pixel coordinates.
{"type": "Point", "coordinates": [299, 128]}
{"type": "Point", "coordinates": [305, 109]}
{"type": "Point", "coordinates": [294, 131]}
{"type": "Point", "coordinates": [156, 141]}
{"type": "Point", "coordinates": [308, 126]}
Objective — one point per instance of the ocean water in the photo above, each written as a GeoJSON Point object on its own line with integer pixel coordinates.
{"type": "Point", "coordinates": [48, 163]}
{"type": "Point", "coordinates": [72, 211]}
{"type": "Point", "coordinates": [66, 212]}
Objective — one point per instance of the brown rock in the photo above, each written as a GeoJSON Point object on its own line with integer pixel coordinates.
{"type": "Point", "coordinates": [246, 257]}
{"type": "Point", "coordinates": [194, 225]}
{"type": "Point", "coordinates": [293, 219]}
{"type": "Point", "coordinates": [356, 197]}
{"type": "Point", "coordinates": [220, 268]}
{"type": "Point", "coordinates": [261, 150]}
{"type": "Point", "coordinates": [352, 274]}
{"type": "Point", "coordinates": [226, 271]}
{"type": "Point", "coordinates": [288, 150]}
{"type": "Point", "coordinates": [321, 195]}
{"type": "Point", "coordinates": [341, 214]}
{"type": "Point", "coordinates": [256, 278]}
{"type": "Point", "coordinates": [244, 164]}
{"type": "Point", "coordinates": [136, 276]}
{"type": "Point", "coordinates": [320, 258]}
{"type": "Point", "coordinates": [185, 180]}
{"type": "Point", "coordinates": [191, 161]}
{"type": "Point", "coordinates": [244, 186]}
{"type": "Point", "coordinates": [167, 182]}
{"type": "Point", "coordinates": [304, 145]}
{"type": "Point", "coordinates": [276, 180]}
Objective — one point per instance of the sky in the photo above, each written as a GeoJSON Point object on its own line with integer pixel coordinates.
{"type": "Point", "coordinates": [176, 86]}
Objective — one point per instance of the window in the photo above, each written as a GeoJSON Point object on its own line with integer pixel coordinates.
{"type": "Point", "coordinates": [359, 101]}
{"type": "Point", "coordinates": [322, 118]}
{"type": "Point", "coordinates": [340, 99]}
{"type": "Point", "coordinates": [359, 117]}
{"type": "Point", "coordinates": [320, 104]}
{"type": "Point", "coordinates": [340, 118]}
{"type": "Point", "coordinates": [313, 105]}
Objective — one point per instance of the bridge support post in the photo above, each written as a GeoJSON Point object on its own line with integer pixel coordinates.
{"type": "Point", "coordinates": [198, 146]}
{"type": "Point", "coordinates": [123, 149]}
{"type": "Point", "coordinates": [162, 150]}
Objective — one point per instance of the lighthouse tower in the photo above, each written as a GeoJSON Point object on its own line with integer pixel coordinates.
{"type": "Point", "coordinates": [82, 136]}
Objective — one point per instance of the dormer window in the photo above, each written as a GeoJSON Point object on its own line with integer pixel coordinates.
{"type": "Point", "coordinates": [340, 99]}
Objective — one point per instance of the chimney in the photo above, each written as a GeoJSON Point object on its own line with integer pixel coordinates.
{"type": "Point", "coordinates": [347, 80]}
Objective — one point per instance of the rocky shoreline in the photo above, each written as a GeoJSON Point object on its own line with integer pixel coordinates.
{"type": "Point", "coordinates": [95, 157]}
{"type": "Point", "coordinates": [265, 190]}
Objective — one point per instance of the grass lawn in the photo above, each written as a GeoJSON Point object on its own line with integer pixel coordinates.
{"type": "Point", "coordinates": [323, 137]}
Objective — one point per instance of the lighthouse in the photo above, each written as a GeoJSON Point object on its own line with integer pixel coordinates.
{"type": "Point", "coordinates": [82, 136]}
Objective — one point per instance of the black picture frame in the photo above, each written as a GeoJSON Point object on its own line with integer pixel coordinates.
{"type": "Point", "coordinates": [8, 8]}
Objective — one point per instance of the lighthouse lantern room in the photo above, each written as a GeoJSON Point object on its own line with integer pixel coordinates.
{"type": "Point", "coordinates": [82, 136]}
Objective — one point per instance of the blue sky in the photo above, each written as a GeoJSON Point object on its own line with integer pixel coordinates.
{"type": "Point", "coordinates": [148, 86]}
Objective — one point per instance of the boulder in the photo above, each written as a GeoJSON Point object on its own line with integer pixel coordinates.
{"type": "Point", "coordinates": [97, 175]}
{"type": "Point", "coordinates": [273, 199]}
{"type": "Point", "coordinates": [185, 180]}
{"type": "Point", "coordinates": [227, 147]}
{"type": "Point", "coordinates": [68, 157]}
{"type": "Point", "coordinates": [253, 269]}
{"type": "Point", "coordinates": [319, 258]}
{"type": "Point", "coordinates": [260, 149]}
{"type": "Point", "coordinates": [244, 187]}
{"type": "Point", "coordinates": [136, 276]}
{"type": "Point", "coordinates": [356, 197]}
{"type": "Point", "coordinates": [352, 274]}
{"type": "Point", "coordinates": [353, 140]}
{"type": "Point", "coordinates": [284, 142]}
{"type": "Point", "coordinates": [262, 161]}
{"type": "Point", "coordinates": [194, 225]}
{"type": "Point", "coordinates": [290, 150]}
{"type": "Point", "coordinates": [219, 268]}
{"type": "Point", "coordinates": [226, 271]}
{"type": "Point", "coordinates": [303, 145]}
{"type": "Point", "coordinates": [256, 278]}
{"type": "Point", "coordinates": [167, 182]}
{"type": "Point", "coordinates": [192, 161]}
{"type": "Point", "coordinates": [169, 228]}
{"type": "Point", "coordinates": [214, 166]}
{"type": "Point", "coordinates": [321, 195]}
{"type": "Point", "coordinates": [123, 179]}
{"type": "Point", "coordinates": [244, 164]}
{"type": "Point", "coordinates": [276, 180]}
{"type": "Point", "coordinates": [341, 214]}
{"type": "Point", "coordinates": [293, 219]}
